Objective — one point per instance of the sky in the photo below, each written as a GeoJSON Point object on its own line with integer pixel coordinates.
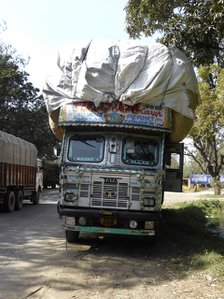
{"type": "Point", "coordinates": [39, 28]}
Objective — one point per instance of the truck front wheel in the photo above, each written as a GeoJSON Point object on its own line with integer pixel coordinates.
{"type": "Point", "coordinates": [36, 198]}
{"type": "Point", "coordinates": [10, 201]}
{"type": "Point", "coordinates": [19, 200]}
{"type": "Point", "coordinates": [71, 237]}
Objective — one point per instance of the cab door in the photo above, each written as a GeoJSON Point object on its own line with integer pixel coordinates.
{"type": "Point", "coordinates": [174, 160]}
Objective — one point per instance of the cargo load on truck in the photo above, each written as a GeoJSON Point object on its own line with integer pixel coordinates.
{"type": "Point", "coordinates": [19, 171]}
{"type": "Point", "coordinates": [129, 72]}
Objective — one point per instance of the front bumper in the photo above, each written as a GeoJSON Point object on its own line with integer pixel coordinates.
{"type": "Point", "coordinates": [114, 221]}
{"type": "Point", "coordinates": [110, 230]}
{"type": "Point", "coordinates": [98, 213]}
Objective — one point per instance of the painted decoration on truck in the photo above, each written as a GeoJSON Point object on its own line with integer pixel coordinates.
{"type": "Point", "coordinates": [115, 113]}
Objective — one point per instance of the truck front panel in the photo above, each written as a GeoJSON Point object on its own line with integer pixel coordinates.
{"type": "Point", "coordinates": [111, 180]}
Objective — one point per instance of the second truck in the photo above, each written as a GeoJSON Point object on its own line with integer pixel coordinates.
{"type": "Point", "coordinates": [21, 175]}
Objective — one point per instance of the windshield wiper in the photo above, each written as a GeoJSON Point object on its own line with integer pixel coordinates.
{"type": "Point", "coordinates": [85, 142]}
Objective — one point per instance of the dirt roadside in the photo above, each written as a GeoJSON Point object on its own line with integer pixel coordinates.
{"type": "Point", "coordinates": [35, 262]}
{"type": "Point", "coordinates": [175, 197]}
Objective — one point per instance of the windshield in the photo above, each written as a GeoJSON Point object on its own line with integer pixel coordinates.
{"type": "Point", "coordinates": [86, 149]}
{"type": "Point", "coordinates": [140, 152]}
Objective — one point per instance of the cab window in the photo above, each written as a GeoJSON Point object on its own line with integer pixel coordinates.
{"type": "Point", "coordinates": [86, 149]}
{"type": "Point", "coordinates": [140, 152]}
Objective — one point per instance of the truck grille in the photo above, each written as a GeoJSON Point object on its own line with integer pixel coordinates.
{"type": "Point", "coordinates": [135, 193]}
{"type": "Point", "coordinates": [110, 195]}
{"type": "Point", "coordinates": [84, 190]}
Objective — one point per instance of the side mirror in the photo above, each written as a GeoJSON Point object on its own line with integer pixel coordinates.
{"type": "Point", "coordinates": [57, 150]}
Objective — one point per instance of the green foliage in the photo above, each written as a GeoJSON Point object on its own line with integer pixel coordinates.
{"type": "Point", "coordinates": [191, 167]}
{"type": "Point", "coordinates": [186, 230]}
{"type": "Point", "coordinates": [189, 218]}
{"type": "Point", "coordinates": [22, 109]}
{"type": "Point", "coordinates": [196, 27]}
{"type": "Point", "coordinates": [208, 131]}
{"type": "Point", "coordinates": [209, 208]}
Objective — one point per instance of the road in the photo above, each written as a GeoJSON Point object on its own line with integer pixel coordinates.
{"type": "Point", "coordinates": [36, 262]}
{"type": "Point", "coordinates": [29, 239]}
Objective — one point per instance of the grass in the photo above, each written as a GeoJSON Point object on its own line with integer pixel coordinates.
{"type": "Point", "coordinates": [188, 230]}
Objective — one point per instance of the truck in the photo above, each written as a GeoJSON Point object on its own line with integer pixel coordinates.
{"type": "Point", "coordinates": [121, 111]}
{"type": "Point", "coordinates": [20, 172]}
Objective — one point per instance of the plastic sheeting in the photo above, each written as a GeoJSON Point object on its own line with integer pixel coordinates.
{"type": "Point", "coordinates": [104, 71]}
{"type": "Point", "coordinates": [17, 151]}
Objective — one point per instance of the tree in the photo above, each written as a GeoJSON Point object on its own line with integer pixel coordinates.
{"type": "Point", "coordinates": [208, 131]}
{"type": "Point", "coordinates": [191, 167]}
{"type": "Point", "coordinates": [22, 109]}
{"type": "Point", "coordinates": [194, 26]}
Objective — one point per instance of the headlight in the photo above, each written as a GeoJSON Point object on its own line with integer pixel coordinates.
{"type": "Point", "coordinates": [82, 220]}
{"type": "Point", "coordinates": [150, 202]}
{"type": "Point", "coordinates": [148, 199]}
{"type": "Point", "coordinates": [133, 224]}
{"type": "Point", "coordinates": [71, 197]}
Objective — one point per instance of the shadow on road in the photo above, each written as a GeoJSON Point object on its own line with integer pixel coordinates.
{"type": "Point", "coordinates": [35, 256]}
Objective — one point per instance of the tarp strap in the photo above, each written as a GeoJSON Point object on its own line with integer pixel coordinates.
{"type": "Point", "coordinates": [171, 75]}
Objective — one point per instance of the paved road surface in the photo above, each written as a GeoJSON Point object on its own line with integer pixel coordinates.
{"type": "Point", "coordinates": [35, 262]}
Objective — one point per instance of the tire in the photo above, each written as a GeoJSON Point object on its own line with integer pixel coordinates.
{"type": "Point", "coordinates": [151, 240]}
{"type": "Point", "coordinates": [35, 198]}
{"type": "Point", "coordinates": [19, 200]}
{"type": "Point", "coordinates": [71, 237]}
{"type": "Point", "coordinates": [10, 201]}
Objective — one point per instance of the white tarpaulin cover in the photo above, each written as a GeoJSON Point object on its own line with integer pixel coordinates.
{"type": "Point", "coordinates": [15, 150]}
{"type": "Point", "coordinates": [103, 71]}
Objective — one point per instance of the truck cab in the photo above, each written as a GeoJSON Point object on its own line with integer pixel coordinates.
{"type": "Point", "coordinates": [112, 173]}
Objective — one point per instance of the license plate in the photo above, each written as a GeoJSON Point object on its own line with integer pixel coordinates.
{"type": "Point", "coordinates": [108, 222]}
